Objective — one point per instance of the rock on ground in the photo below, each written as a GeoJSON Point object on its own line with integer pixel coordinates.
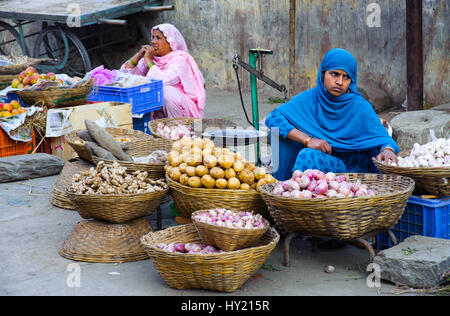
{"type": "Point", "coordinates": [418, 262]}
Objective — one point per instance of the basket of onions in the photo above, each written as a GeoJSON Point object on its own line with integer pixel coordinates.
{"type": "Point", "coordinates": [229, 230]}
{"type": "Point", "coordinates": [428, 165]}
{"type": "Point", "coordinates": [185, 262]}
{"type": "Point", "coordinates": [338, 206]}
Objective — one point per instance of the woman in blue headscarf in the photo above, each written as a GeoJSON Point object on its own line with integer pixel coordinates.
{"type": "Point", "coordinates": [330, 127]}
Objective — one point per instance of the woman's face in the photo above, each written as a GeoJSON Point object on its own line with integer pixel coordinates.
{"type": "Point", "coordinates": [160, 44]}
{"type": "Point", "coordinates": [336, 82]}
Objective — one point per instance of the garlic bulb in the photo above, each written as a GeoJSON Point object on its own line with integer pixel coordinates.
{"type": "Point", "coordinates": [431, 155]}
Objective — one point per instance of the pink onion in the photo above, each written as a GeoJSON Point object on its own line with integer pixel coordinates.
{"type": "Point", "coordinates": [341, 178]}
{"type": "Point", "coordinates": [321, 187]}
{"type": "Point", "coordinates": [307, 194]}
{"type": "Point", "coordinates": [296, 174]}
{"type": "Point", "coordinates": [292, 185]}
{"type": "Point", "coordinates": [334, 185]}
{"type": "Point", "coordinates": [305, 181]}
{"type": "Point", "coordinates": [312, 185]}
{"type": "Point", "coordinates": [296, 194]}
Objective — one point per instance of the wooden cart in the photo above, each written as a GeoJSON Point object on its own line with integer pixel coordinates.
{"type": "Point", "coordinates": [71, 30]}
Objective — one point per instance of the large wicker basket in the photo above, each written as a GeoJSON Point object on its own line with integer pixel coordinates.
{"type": "Point", "coordinates": [343, 218]}
{"type": "Point", "coordinates": [435, 181]}
{"type": "Point", "coordinates": [59, 191]}
{"type": "Point", "coordinates": [198, 126]}
{"type": "Point", "coordinates": [141, 149]}
{"type": "Point", "coordinates": [137, 138]}
{"type": "Point", "coordinates": [56, 97]}
{"type": "Point", "coordinates": [116, 208]}
{"type": "Point", "coordinates": [223, 272]}
{"type": "Point", "coordinates": [98, 241]}
{"type": "Point", "coordinates": [226, 238]}
{"type": "Point", "coordinates": [188, 200]}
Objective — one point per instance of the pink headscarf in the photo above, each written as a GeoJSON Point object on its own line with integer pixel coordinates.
{"type": "Point", "coordinates": [192, 81]}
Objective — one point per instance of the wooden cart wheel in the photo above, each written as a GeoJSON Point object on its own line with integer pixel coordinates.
{"type": "Point", "coordinates": [10, 41]}
{"type": "Point", "coordinates": [59, 43]}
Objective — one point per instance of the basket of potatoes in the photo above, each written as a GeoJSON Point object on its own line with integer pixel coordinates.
{"type": "Point", "coordinates": [203, 176]}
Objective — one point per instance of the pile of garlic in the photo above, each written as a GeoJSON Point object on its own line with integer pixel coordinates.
{"type": "Point", "coordinates": [173, 132]}
{"type": "Point", "coordinates": [113, 179]}
{"type": "Point", "coordinates": [433, 154]}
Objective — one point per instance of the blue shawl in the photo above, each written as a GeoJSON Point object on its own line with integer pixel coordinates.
{"type": "Point", "coordinates": [347, 122]}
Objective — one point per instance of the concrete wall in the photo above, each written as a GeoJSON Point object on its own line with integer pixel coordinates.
{"type": "Point", "coordinates": [217, 29]}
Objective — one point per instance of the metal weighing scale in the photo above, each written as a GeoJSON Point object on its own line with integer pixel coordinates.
{"type": "Point", "coordinates": [256, 69]}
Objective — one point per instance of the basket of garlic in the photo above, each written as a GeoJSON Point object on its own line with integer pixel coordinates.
{"type": "Point", "coordinates": [428, 165]}
{"type": "Point", "coordinates": [174, 129]}
{"type": "Point", "coordinates": [181, 260]}
{"type": "Point", "coordinates": [338, 206]}
{"type": "Point", "coordinates": [109, 193]}
{"type": "Point", "coordinates": [229, 230]}
{"type": "Point", "coordinates": [202, 176]}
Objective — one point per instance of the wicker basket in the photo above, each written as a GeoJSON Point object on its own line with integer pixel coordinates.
{"type": "Point", "coordinates": [59, 197]}
{"type": "Point", "coordinates": [188, 200]}
{"type": "Point", "coordinates": [116, 208]}
{"type": "Point", "coordinates": [343, 218]}
{"type": "Point", "coordinates": [56, 97]}
{"type": "Point", "coordinates": [226, 238]}
{"type": "Point", "coordinates": [141, 149]}
{"type": "Point", "coordinates": [197, 125]}
{"type": "Point", "coordinates": [97, 241]}
{"type": "Point", "coordinates": [20, 63]}
{"type": "Point", "coordinates": [434, 181]}
{"type": "Point", "coordinates": [223, 272]}
{"type": "Point", "coordinates": [136, 140]}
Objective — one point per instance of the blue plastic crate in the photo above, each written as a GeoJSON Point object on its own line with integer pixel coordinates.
{"type": "Point", "coordinates": [144, 98]}
{"type": "Point", "coordinates": [425, 217]}
{"type": "Point", "coordinates": [140, 122]}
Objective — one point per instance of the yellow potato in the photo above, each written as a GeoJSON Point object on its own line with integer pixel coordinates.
{"type": "Point", "coordinates": [206, 152]}
{"type": "Point", "coordinates": [225, 161]}
{"type": "Point", "coordinates": [238, 166]}
{"type": "Point", "coordinates": [260, 183]}
{"type": "Point", "coordinates": [190, 171]}
{"type": "Point", "coordinates": [207, 143]}
{"type": "Point", "coordinates": [245, 186]}
{"type": "Point", "coordinates": [177, 146]}
{"type": "Point", "coordinates": [208, 181]}
{"type": "Point", "coordinates": [246, 176]}
{"type": "Point", "coordinates": [217, 151]}
{"type": "Point", "coordinates": [210, 161]}
{"type": "Point", "coordinates": [195, 182]}
{"type": "Point", "coordinates": [217, 172]}
{"type": "Point", "coordinates": [221, 183]}
{"type": "Point", "coordinates": [173, 158]}
{"type": "Point", "coordinates": [175, 173]}
{"type": "Point", "coordinates": [233, 184]}
{"type": "Point", "coordinates": [186, 141]}
{"type": "Point", "coordinates": [201, 170]}
{"type": "Point", "coordinates": [184, 179]}
{"type": "Point", "coordinates": [230, 173]}
{"type": "Point", "coordinates": [270, 178]}
{"type": "Point", "coordinates": [259, 172]}
{"type": "Point", "coordinates": [182, 167]}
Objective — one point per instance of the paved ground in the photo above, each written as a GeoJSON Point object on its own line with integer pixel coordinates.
{"type": "Point", "coordinates": [32, 231]}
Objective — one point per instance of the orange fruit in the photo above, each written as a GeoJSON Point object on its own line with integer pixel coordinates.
{"type": "Point", "coordinates": [6, 114]}
{"type": "Point", "coordinates": [8, 107]}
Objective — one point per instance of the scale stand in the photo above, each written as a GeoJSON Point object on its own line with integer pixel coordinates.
{"type": "Point", "coordinates": [256, 55]}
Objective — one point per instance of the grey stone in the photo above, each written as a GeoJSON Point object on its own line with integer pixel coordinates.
{"type": "Point", "coordinates": [414, 127]}
{"type": "Point", "coordinates": [21, 167]}
{"type": "Point", "coordinates": [425, 266]}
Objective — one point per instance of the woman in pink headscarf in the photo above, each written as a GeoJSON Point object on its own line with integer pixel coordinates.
{"type": "Point", "coordinates": [168, 59]}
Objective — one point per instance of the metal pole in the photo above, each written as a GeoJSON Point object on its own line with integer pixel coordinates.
{"type": "Point", "coordinates": [292, 11]}
{"type": "Point", "coordinates": [253, 57]}
{"type": "Point", "coordinates": [414, 55]}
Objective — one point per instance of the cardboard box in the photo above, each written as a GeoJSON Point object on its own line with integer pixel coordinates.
{"type": "Point", "coordinates": [120, 114]}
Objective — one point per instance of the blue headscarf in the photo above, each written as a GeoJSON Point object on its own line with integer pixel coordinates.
{"type": "Point", "coordinates": [347, 122]}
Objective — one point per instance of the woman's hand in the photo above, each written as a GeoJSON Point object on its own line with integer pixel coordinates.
{"type": "Point", "coordinates": [319, 144]}
{"type": "Point", "coordinates": [149, 53]}
{"type": "Point", "coordinates": [387, 155]}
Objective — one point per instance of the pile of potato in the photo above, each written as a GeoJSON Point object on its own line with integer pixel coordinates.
{"type": "Point", "coordinates": [197, 163]}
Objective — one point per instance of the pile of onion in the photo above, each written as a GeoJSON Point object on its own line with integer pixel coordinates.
{"type": "Point", "coordinates": [230, 219]}
{"type": "Point", "coordinates": [314, 183]}
{"type": "Point", "coordinates": [192, 248]}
